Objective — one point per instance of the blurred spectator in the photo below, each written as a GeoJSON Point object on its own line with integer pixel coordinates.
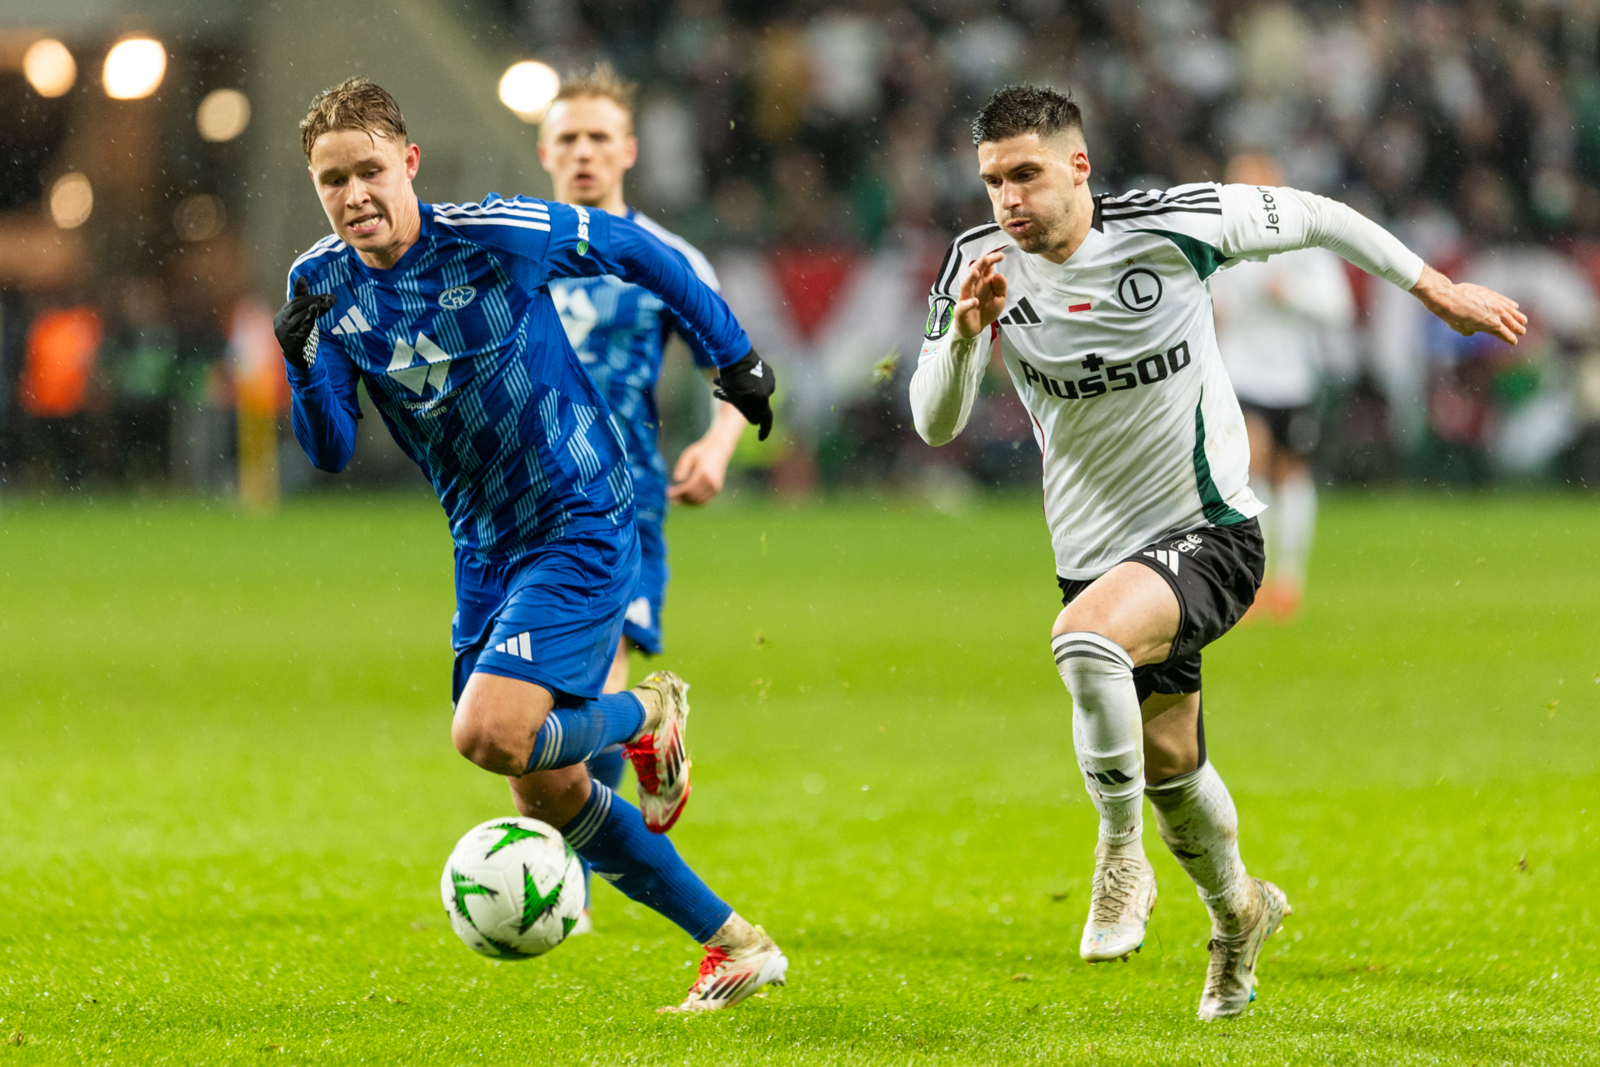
{"type": "Point", "coordinates": [824, 147]}
{"type": "Point", "coordinates": [62, 347]}
{"type": "Point", "coordinates": [141, 369]}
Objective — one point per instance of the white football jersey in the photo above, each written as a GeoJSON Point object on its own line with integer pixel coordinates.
{"type": "Point", "coordinates": [1114, 354]}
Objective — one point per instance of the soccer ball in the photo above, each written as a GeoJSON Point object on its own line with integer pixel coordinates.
{"type": "Point", "coordinates": [513, 888]}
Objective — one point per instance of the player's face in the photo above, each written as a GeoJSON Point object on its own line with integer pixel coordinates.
{"type": "Point", "coordinates": [364, 182]}
{"type": "Point", "coordinates": [587, 144]}
{"type": "Point", "coordinates": [1033, 187]}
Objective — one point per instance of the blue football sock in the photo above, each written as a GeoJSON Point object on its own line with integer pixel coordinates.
{"type": "Point", "coordinates": [580, 732]}
{"type": "Point", "coordinates": [606, 769]}
{"type": "Point", "coordinates": [610, 833]}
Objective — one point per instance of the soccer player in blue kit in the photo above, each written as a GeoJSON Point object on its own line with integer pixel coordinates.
{"type": "Point", "coordinates": [443, 312]}
{"type": "Point", "coordinates": [620, 331]}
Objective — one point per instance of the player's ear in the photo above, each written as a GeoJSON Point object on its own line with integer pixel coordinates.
{"type": "Point", "coordinates": [413, 159]}
{"type": "Point", "coordinates": [1080, 164]}
{"type": "Point", "coordinates": [630, 152]}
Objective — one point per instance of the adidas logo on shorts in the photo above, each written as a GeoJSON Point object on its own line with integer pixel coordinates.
{"type": "Point", "coordinates": [1165, 558]}
{"type": "Point", "coordinates": [516, 646]}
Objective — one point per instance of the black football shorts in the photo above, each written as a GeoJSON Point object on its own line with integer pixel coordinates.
{"type": "Point", "coordinates": [1294, 429]}
{"type": "Point", "coordinates": [1214, 572]}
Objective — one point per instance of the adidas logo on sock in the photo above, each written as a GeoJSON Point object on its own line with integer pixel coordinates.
{"type": "Point", "coordinates": [352, 322]}
{"type": "Point", "coordinates": [516, 646]}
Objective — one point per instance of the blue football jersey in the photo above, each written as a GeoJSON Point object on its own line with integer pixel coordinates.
{"type": "Point", "coordinates": [619, 331]}
{"type": "Point", "coordinates": [464, 356]}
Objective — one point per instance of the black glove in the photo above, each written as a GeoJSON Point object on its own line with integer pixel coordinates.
{"type": "Point", "coordinates": [748, 385]}
{"type": "Point", "coordinates": [296, 324]}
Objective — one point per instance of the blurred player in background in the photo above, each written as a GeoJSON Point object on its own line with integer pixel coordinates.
{"type": "Point", "coordinates": [442, 312]}
{"type": "Point", "coordinates": [1105, 324]}
{"type": "Point", "coordinates": [620, 331]}
{"type": "Point", "coordinates": [1273, 323]}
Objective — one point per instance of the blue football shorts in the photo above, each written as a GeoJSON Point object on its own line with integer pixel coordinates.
{"type": "Point", "coordinates": [642, 623]}
{"type": "Point", "coordinates": [552, 618]}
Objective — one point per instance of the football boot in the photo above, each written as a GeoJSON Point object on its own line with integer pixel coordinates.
{"type": "Point", "coordinates": [1231, 975]}
{"type": "Point", "coordinates": [1121, 899]}
{"type": "Point", "coordinates": [660, 758]}
{"type": "Point", "coordinates": [727, 977]}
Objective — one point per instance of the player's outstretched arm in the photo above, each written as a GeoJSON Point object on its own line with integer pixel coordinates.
{"type": "Point", "coordinates": [324, 408]}
{"type": "Point", "coordinates": [584, 243]}
{"type": "Point", "coordinates": [1469, 309]}
{"type": "Point", "coordinates": [948, 371]}
{"type": "Point", "coordinates": [1260, 220]}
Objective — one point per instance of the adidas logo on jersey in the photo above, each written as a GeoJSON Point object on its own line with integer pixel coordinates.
{"type": "Point", "coordinates": [434, 371]}
{"type": "Point", "coordinates": [352, 321]}
{"type": "Point", "coordinates": [1021, 315]}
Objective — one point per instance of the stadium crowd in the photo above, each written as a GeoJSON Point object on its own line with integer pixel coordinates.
{"type": "Point", "coordinates": [819, 151]}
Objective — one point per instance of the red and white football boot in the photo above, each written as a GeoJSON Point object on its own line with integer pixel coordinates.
{"type": "Point", "coordinates": [727, 977]}
{"type": "Point", "coordinates": [660, 758]}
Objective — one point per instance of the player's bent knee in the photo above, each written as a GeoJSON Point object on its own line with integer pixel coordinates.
{"type": "Point", "coordinates": [489, 740]}
{"type": "Point", "coordinates": [496, 721]}
{"type": "Point", "coordinates": [1084, 653]}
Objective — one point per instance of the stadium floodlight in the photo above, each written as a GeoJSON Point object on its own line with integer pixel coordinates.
{"type": "Point", "coordinates": [49, 67]}
{"type": "Point", "coordinates": [528, 87]}
{"type": "Point", "coordinates": [71, 200]}
{"type": "Point", "coordinates": [223, 115]}
{"type": "Point", "coordinates": [134, 68]}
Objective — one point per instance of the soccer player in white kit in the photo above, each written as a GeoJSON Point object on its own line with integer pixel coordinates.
{"type": "Point", "coordinates": [1274, 319]}
{"type": "Point", "coordinates": [1104, 322]}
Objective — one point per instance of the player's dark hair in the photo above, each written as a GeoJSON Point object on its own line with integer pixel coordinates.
{"type": "Point", "coordinates": [1020, 109]}
{"type": "Point", "coordinates": [353, 104]}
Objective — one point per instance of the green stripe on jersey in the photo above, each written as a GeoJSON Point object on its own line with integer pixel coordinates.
{"type": "Point", "coordinates": [1216, 509]}
{"type": "Point", "coordinates": [1205, 259]}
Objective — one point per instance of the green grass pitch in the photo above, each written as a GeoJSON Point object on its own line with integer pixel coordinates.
{"type": "Point", "coordinates": [227, 789]}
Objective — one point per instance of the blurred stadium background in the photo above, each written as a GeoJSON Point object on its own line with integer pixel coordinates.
{"type": "Point", "coordinates": [152, 196]}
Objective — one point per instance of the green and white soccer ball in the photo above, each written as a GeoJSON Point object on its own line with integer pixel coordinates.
{"type": "Point", "coordinates": [513, 888]}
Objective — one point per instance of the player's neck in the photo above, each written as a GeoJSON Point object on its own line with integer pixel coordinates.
{"type": "Point", "coordinates": [612, 203]}
{"type": "Point", "coordinates": [408, 228]}
{"type": "Point", "coordinates": [1077, 228]}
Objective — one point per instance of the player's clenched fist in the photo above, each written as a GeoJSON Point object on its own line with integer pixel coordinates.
{"type": "Point", "coordinates": [748, 385]}
{"type": "Point", "coordinates": [983, 296]}
{"type": "Point", "coordinates": [296, 324]}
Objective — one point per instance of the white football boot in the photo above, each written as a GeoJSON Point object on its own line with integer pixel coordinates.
{"type": "Point", "coordinates": [583, 925]}
{"type": "Point", "coordinates": [1231, 976]}
{"type": "Point", "coordinates": [660, 758]}
{"type": "Point", "coordinates": [1120, 902]}
{"type": "Point", "coordinates": [727, 978]}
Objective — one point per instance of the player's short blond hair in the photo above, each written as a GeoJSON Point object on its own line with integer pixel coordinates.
{"type": "Point", "coordinates": [354, 104]}
{"type": "Point", "coordinates": [603, 82]}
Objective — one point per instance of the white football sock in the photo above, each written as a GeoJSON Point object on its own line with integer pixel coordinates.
{"type": "Point", "coordinates": [1297, 525]}
{"type": "Point", "coordinates": [1107, 731]}
{"type": "Point", "coordinates": [1198, 822]}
